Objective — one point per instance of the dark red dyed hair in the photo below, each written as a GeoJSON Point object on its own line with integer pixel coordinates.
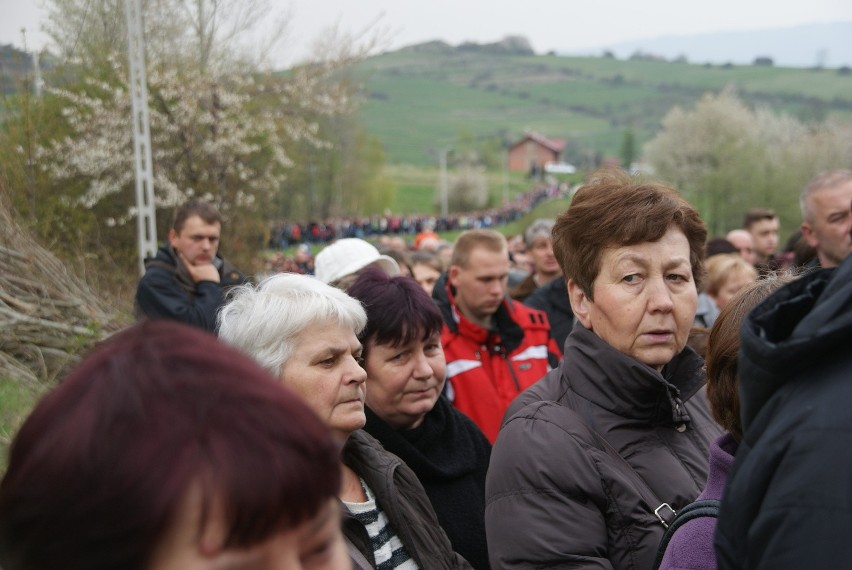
{"type": "Point", "coordinates": [103, 464]}
{"type": "Point", "coordinates": [398, 309]}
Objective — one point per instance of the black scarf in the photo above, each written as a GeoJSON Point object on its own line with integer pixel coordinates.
{"type": "Point", "coordinates": [449, 455]}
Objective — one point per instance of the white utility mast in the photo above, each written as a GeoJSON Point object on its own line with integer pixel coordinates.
{"type": "Point", "coordinates": [146, 222]}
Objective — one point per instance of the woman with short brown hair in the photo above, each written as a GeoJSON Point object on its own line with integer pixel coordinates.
{"type": "Point", "coordinates": [593, 458]}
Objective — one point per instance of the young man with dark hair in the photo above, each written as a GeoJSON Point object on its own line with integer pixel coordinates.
{"type": "Point", "coordinates": [762, 224]}
{"type": "Point", "coordinates": [187, 279]}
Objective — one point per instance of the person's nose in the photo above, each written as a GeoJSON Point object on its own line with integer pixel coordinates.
{"type": "Point", "coordinates": [356, 373]}
{"type": "Point", "coordinates": [422, 367]}
{"type": "Point", "coordinates": [659, 295]}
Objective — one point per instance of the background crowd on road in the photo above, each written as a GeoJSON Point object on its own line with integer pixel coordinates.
{"type": "Point", "coordinates": [287, 232]}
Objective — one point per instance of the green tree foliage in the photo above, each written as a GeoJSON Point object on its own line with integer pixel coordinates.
{"type": "Point", "coordinates": [467, 189]}
{"type": "Point", "coordinates": [345, 179]}
{"type": "Point", "coordinates": [727, 157]}
{"type": "Point", "coordinates": [44, 205]}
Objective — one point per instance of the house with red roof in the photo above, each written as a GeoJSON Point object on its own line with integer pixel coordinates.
{"type": "Point", "coordinates": [533, 151]}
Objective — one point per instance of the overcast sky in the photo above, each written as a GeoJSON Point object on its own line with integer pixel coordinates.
{"type": "Point", "coordinates": [560, 25]}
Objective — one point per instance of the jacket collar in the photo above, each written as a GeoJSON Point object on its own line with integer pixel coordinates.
{"type": "Point", "coordinates": [596, 372]}
{"type": "Point", "coordinates": [507, 330]}
{"type": "Point", "coordinates": [557, 294]}
{"type": "Point", "coordinates": [364, 454]}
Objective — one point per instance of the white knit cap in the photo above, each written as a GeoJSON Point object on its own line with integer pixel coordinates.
{"type": "Point", "coordinates": [348, 255]}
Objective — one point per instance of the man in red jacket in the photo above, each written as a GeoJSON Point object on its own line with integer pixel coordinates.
{"type": "Point", "coordinates": [495, 347]}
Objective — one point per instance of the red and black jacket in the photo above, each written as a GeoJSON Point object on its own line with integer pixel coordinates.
{"type": "Point", "coordinates": [487, 369]}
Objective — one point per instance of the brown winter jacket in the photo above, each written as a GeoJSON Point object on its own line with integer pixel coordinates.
{"type": "Point", "coordinates": [589, 452]}
{"type": "Point", "coordinates": [402, 498]}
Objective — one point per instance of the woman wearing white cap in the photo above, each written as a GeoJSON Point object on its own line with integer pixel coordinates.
{"type": "Point", "coordinates": [340, 263]}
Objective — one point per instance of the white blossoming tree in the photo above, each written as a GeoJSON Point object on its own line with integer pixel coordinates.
{"type": "Point", "coordinates": [223, 126]}
{"type": "Point", "coordinates": [224, 138]}
{"type": "Point", "coordinates": [727, 157]}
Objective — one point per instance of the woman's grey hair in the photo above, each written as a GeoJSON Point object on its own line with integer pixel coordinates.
{"type": "Point", "coordinates": [264, 321]}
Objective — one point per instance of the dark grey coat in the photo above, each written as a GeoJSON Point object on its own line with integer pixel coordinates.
{"type": "Point", "coordinates": [589, 452]}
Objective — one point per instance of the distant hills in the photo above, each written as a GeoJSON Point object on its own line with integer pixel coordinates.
{"type": "Point", "coordinates": [822, 45]}
{"type": "Point", "coordinates": [431, 96]}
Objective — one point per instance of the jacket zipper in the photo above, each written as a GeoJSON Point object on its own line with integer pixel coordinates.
{"type": "Point", "coordinates": [508, 362]}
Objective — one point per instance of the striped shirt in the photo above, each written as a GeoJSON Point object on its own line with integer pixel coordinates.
{"type": "Point", "coordinates": [388, 549]}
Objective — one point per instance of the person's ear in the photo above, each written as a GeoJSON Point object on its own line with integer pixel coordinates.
{"type": "Point", "coordinates": [808, 234]}
{"type": "Point", "coordinates": [580, 303]}
{"type": "Point", "coordinates": [453, 274]}
{"type": "Point", "coordinates": [172, 237]}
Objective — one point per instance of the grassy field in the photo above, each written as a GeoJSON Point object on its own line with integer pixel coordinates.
{"type": "Point", "coordinates": [420, 101]}
{"type": "Point", "coordinates": [16, 401]}
{"type": "Point", "coordinates": [417, 187]}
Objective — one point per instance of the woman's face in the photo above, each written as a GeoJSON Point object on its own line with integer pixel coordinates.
{"type": "Point", "coordinates": [315, 544]}
{"type": "Point", "coordinates": [405, 381]}
{"type": "Point", "coordinates": [325, 371]}
{"type": "Point", "coordinates": [644, 299]}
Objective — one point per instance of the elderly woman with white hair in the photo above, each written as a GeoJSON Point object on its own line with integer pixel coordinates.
{"type": "Point", "coordinates": [306, 333]}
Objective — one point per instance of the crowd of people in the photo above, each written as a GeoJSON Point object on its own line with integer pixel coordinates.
{"type": "Point", "coordinates": [285, 233]}
{"type": "Point", "coordinates": [608, 389]}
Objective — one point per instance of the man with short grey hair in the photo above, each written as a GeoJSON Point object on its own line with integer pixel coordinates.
{"type": "Point", "coordinates": [826, 217]}
{"type": "Point", "coordinates": [540, 249]}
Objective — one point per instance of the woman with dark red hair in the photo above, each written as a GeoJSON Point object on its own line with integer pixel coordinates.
{"type": "Point", "coordinates": [165, 449]}
{"type": "Point", "coordinates": [406, 373]}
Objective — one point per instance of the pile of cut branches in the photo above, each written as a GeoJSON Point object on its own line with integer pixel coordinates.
{"type": "Point", "coordinates": [48, 316]}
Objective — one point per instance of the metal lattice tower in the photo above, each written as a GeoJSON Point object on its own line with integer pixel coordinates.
{"type": "Point", "coordinates": [146, 222]}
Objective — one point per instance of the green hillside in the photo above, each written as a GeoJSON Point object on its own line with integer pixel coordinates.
{"type": "Point", "coordinates": [420, 99]}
